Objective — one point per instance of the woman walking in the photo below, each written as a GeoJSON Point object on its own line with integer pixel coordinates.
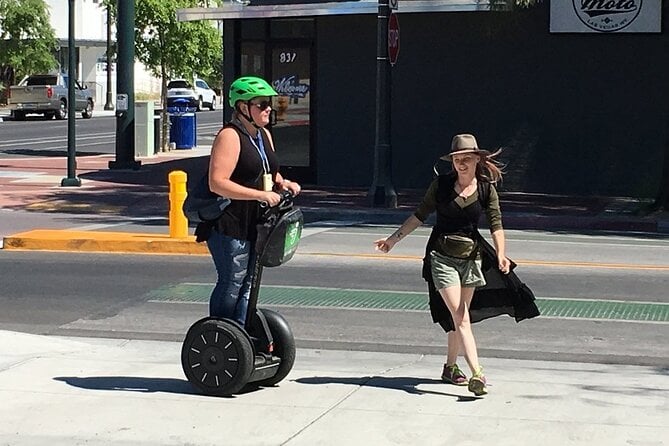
{"type": "Point", "coordinates": [455, 253]}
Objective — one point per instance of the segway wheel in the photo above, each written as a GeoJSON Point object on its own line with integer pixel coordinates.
{"type": "Point", "coordinates": [217, 356]}
{"type": "Point", "coordinates": [284, 346]}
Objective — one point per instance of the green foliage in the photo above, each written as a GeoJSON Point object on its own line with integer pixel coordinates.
{"type": "Point", "coordinates": [175, 49]}
{"type": "Point", "coordinates": [27, 40]}
{"type": "Point", "coordinates": [172, 49]}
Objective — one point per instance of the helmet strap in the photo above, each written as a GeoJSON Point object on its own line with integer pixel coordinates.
{"type": "Point", "coordinates": [248, 117]}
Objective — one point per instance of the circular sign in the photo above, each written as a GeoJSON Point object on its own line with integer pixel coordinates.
{"type": "Point", "coordinates": [393, 38]}
{"type": "Point", "coordinates": [607, 16]}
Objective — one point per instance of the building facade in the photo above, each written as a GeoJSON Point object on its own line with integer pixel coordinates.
{"type": "Point", "coordinates": [580, 113]}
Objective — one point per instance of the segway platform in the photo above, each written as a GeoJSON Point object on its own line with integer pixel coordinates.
{"type": "Point", "coordinates": [218, 355]}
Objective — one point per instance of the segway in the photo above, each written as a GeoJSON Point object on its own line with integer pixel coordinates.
{"type": "Point", "coordinates": [219, 356]}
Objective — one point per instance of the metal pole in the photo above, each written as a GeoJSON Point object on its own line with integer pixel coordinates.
{"type": "Point", "coordinates": [109, 105]}
{"type": "Point", "coordinates": [71, 179]}
{"type": "Point", "coordinates": [231, 67]}
{"type": "Point", "coordinates": [125, 84]}
{"type": "Point", "coordinates": [381, 192]}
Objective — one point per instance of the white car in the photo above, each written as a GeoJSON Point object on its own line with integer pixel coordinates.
{"type": "Point", "coordinates": [198, 95]}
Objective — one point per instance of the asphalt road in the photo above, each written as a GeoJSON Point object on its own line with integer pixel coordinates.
{"type": "Point", "coordinates": [130, 296]}
{"type": "Point", "coordinates": [96, 136]}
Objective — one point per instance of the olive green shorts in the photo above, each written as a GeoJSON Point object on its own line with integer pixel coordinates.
{"type": "Point", "coordinates": [448, 271]}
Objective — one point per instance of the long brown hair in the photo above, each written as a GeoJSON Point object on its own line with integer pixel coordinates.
{"type": "Point", "coordinates": [488, 168]}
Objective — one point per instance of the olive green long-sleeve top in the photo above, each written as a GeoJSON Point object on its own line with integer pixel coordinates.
{"type": "Point", "coordinates": [492, 210]}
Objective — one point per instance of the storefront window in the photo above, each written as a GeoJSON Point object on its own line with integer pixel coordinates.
{"type": "Point", "coordinates": [253, 59]}
{"type": "Point", "coordinates": [284, 45]}
{"type": "Point", "coordinates": [291, 79]}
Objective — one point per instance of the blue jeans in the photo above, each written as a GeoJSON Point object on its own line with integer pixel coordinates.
{"type": "Point", "coordinates": [234, 261]}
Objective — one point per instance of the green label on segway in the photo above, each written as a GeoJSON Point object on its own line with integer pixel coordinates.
{"type": "Point", "coordinates": [293, 234]}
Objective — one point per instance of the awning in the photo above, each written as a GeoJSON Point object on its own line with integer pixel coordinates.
{"type": "Point", "coordinates": [235, 10]}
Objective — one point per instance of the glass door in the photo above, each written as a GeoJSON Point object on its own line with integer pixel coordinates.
{"type": "Point", "coordinates": [291, 78]}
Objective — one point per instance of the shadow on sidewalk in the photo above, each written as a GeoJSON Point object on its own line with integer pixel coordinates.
{"type": "Point", "coordinates": [151, 173]}
{"type": "Point", "coordinates": [124, 194]}
{"type": "Point", "coordinates": [406, 384]}
{"type": "Point", "coordinates": [130, 384]}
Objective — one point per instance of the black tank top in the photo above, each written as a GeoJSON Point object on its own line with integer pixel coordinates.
{"type": "Point", "coordinates": [240, 218]}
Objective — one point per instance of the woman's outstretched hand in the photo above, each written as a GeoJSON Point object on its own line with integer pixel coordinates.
{"type": "Point", "coordinates": [384, 244]}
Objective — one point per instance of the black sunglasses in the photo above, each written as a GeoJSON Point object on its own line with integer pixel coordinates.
{"type": "Point", "coordinates": [263, 105]}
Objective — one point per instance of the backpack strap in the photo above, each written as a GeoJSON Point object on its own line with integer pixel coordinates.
{"type": "Point", "coordinates": [484, 193]}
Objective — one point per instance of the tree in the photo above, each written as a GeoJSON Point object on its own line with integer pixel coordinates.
{"type": "Point", "coordinates": [169, 48]}
{"type": "Point", "coordinates": [27, 41]}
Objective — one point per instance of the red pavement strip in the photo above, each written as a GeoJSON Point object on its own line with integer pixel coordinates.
{"type": "Point", "coordinates": [26, 182]}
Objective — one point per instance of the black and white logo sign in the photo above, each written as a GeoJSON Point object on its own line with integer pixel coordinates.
{"type": "Point", "coordinates": [607, 15]}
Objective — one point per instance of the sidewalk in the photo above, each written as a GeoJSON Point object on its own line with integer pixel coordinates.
{"type": "Point", "coordinates": [76, 391]}
{"type": "Point", "coordinates": [33, 185]}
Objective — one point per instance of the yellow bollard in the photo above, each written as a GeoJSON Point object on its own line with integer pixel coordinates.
{"type": "Point", "coordinates": [178, 221]}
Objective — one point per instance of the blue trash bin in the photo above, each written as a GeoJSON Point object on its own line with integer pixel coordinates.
{"type": "Point", "coordinates": [183, 125]}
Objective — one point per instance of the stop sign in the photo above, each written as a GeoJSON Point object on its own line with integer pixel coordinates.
{"type": "Point", "coordinates": [393, 38]}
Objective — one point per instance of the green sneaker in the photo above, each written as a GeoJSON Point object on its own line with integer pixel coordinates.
{"type": "Point", "coordinates": [477, 383]}
{"type": "Point", "coordinates": [453, 375]}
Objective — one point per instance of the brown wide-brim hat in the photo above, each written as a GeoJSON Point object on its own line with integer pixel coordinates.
{"type": "Point", "coordinates": [464, 143]}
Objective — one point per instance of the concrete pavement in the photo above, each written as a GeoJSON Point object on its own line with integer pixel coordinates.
{"type": "Point", "coordinates": [76, 391]}
{"type": "Point", "coordinates": [71, 391]}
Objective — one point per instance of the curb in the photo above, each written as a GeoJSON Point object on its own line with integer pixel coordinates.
{"type": "Point", "coordinates": [94, 241]}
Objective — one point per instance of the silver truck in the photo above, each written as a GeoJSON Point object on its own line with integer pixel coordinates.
{"type": "Point", "coordinates": [47, 94]}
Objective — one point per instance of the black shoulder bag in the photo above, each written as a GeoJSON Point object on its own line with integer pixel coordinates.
{"type": "Point", "coordinates": [202, 205]}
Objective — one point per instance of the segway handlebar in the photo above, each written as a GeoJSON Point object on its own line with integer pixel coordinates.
{"type": "Point", "coordinates": [285, 203]}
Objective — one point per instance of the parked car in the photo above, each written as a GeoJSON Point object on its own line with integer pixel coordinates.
{"type": "Point", "coordinates": [198, 93]}
{"type": "Point", "coordinates": [47, 94]}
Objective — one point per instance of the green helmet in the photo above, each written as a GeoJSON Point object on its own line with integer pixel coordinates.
{"type": "Point", "coordinates": [248, 87]}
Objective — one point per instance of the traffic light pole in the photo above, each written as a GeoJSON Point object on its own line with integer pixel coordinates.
{"type": "Point", "coordinates": [71, 179]}
{"type": "Point", "coordinates": [382, 192]}
{"type": "Point", "coordinates": [125, 88]}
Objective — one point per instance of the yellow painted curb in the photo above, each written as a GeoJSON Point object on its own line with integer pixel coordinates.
{"type": "Point", "coordinates": [94, 241]}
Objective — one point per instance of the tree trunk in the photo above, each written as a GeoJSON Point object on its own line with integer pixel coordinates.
{"type": "Point", "coordinates": [164, 131]}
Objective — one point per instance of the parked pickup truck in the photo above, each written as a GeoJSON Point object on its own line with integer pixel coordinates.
{"type": "Point", "coordinates": [47, 94]}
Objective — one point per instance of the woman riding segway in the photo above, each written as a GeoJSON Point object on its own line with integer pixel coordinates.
{"type": "Point", "coordinates": [244, 168]}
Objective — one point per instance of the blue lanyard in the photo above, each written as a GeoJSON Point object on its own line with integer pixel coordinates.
{"type": "Point", "coordinates": [260, 147]}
